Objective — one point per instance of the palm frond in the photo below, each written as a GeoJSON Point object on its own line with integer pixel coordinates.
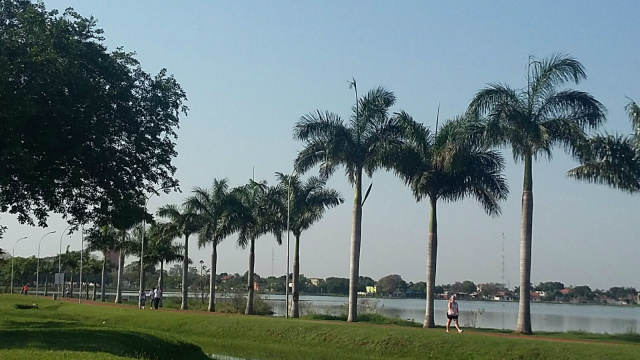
{"type": "Point", "coordinates": [634, 115]}
{"type": "Point", "coordinates": [611, 160]}
{"type": "Point", "coordinates": [308, 201]}
{"type": "Point", "coordinates": [318, 125]}
{"type": "Point", "coordinates": [455, 164]}
{"type": "Point", "coordinates": [553, 72]}
{"type": "Point", "coordinates": [576, 106]}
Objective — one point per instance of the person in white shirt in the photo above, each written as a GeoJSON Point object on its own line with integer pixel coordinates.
{"type": "Point", "coordinates": [152, 295]}
{"type": "Point", "coordinates": [156, 300]}
{"type": "Point", "coordinates": [452, 313]}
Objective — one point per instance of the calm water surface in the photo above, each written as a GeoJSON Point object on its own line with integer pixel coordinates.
{"type": "Point", "coordinates": [486, 314]}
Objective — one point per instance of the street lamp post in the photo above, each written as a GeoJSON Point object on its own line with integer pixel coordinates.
{"type": "Point", "coordinates": [13, 255]}
{"type": "Point", "coordinates": [60, 262]}
{"type": "Point", "coordinates": [81, 250]}
{"type": "Point", "coordinates": [38, 262]}
{"type": "Point", "coordinates": [144, 225]}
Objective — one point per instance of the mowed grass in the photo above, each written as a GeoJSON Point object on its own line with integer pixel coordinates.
{"type": "Point", "coordinates": [66, 330]}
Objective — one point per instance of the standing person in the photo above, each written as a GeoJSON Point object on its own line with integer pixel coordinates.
{"type": "Point", "coordinates": [152, 295]}
{"type": "Point", "coordinates": [68, 291]}
{"type": "Point", "coordinates": [156, 301]}
{"type": "Point", "coordinates": [452, 313]}
{"type": "Point", "coordinates": [25, 289]}
{"type": "Point", "coordinates": [143, 298]}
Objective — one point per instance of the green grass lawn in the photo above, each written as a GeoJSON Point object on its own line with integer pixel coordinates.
{"type": "Point", "coordinates": [66, 330]}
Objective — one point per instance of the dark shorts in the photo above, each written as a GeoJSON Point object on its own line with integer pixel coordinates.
{"type": "Point", "coordinates": [142, 301]}
{"type": "Point", "coordinates": [452, 317]}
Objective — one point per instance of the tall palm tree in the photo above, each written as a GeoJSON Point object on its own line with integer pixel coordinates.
{"type": "Point", "coordinates": [613, 160]}
{"type": "Point", "coordinates": [532, 121]}
{"type": "Point", "coordinates": [184, 223]}
{"type": "Point", "coordinates": [217, 209]}
{"type": "Point", "coordinates": [161, 248]}
{"type": "Point", "coordinates": [448, 166]}
{"type": "Point", "coordinates": [124, 216]}
{"type": "Point", "coordinates": [91, 267]}
{"type": "Point", "coordinates": [124, 246]}
{"type": "Point", "coordinates": [71, 261]}
{"type": "Point", "coordinates": [102, 239]}
{"type": "Point", "coordinates": [307, 204]}
{"type": "Point", "coordinates": [361, 145]}
{"type": "Point", "coordinates": [259, 213]}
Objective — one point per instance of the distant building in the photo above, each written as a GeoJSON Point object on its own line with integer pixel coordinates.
{"type": "Point", "coordinates": [535, 296]}
{"type": "Point", "coordinates": [315, 281]}
{"type": "Point", "coordinates": [503, 296]}
{"type": "Point", "coordinates": [227, 277]}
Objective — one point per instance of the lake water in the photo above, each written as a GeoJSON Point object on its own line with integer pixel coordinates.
{"type": "Point", "coordinates": [485, 314]}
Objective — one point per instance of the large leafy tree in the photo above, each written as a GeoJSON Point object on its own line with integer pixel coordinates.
{"type": "Point", "coordinates": [362, 145]}
{"type": "Point", "coordinates": [183, 222]}
{"type": "Point", "coordinates": [307, 204]}
{"type": "Point", "coordinates": [448, 166]}
{"type": "Point", "coordinates": [218, 210]}
{"type": "Point", "coordinates": [82, 128]}
{"type": "Point", "coordinates": [259, 213]}
{"type": "Point", "coordinates": [613, 160]}
{"type": "Point", "coordinates": [103, 239]}
{"type": "Point", "coordinates": [532, 121]}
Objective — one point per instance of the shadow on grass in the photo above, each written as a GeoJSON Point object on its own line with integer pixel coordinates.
{"type": "Point", "coordinates": [120, 343]}
{"type": "Point", "coordinates": [630, 337]}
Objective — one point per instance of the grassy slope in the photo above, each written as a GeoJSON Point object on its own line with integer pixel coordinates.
{"type": "Point", "coordinates": [68, 330]}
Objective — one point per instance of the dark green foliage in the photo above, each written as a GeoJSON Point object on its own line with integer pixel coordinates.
{"type": "Point", "coordinates": [337, 285]}
{"type": "Point", "coordinates": [82, 129]}
{"type": "Point", "coordinates": [390, 284]}
{"type": "Point", "coordinates": [612, 160]}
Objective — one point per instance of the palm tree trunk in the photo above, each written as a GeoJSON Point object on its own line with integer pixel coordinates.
{"type": "Point", "coordinates": [296, 277]}
{"type": "Point", "coordinates": [95, 292]}
{"type": "Point", "coordinates": [212, 278]}
{"type": "Point", "coordinates": [432, 255]}
{"type": "Point", "coordinates": [86, 290]}
{"type": "Point", "coordinates": [185, 272]}
{"type": "Point", "coordinates": [252, 258]}
{"type": "Point", "coordinates": [161, 276]}
{"type": "Point", "coordinates": [356, 237]}
{"type": "Point", "coordinates": [120, 273]}
{"type": "Point", "coordinates": [104, 267]}
{"type": "Point", "coordinates": [524, 311]}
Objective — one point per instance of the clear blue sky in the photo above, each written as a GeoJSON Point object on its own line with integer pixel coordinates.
{"type": "Point", "coordinates": [251, 69]}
